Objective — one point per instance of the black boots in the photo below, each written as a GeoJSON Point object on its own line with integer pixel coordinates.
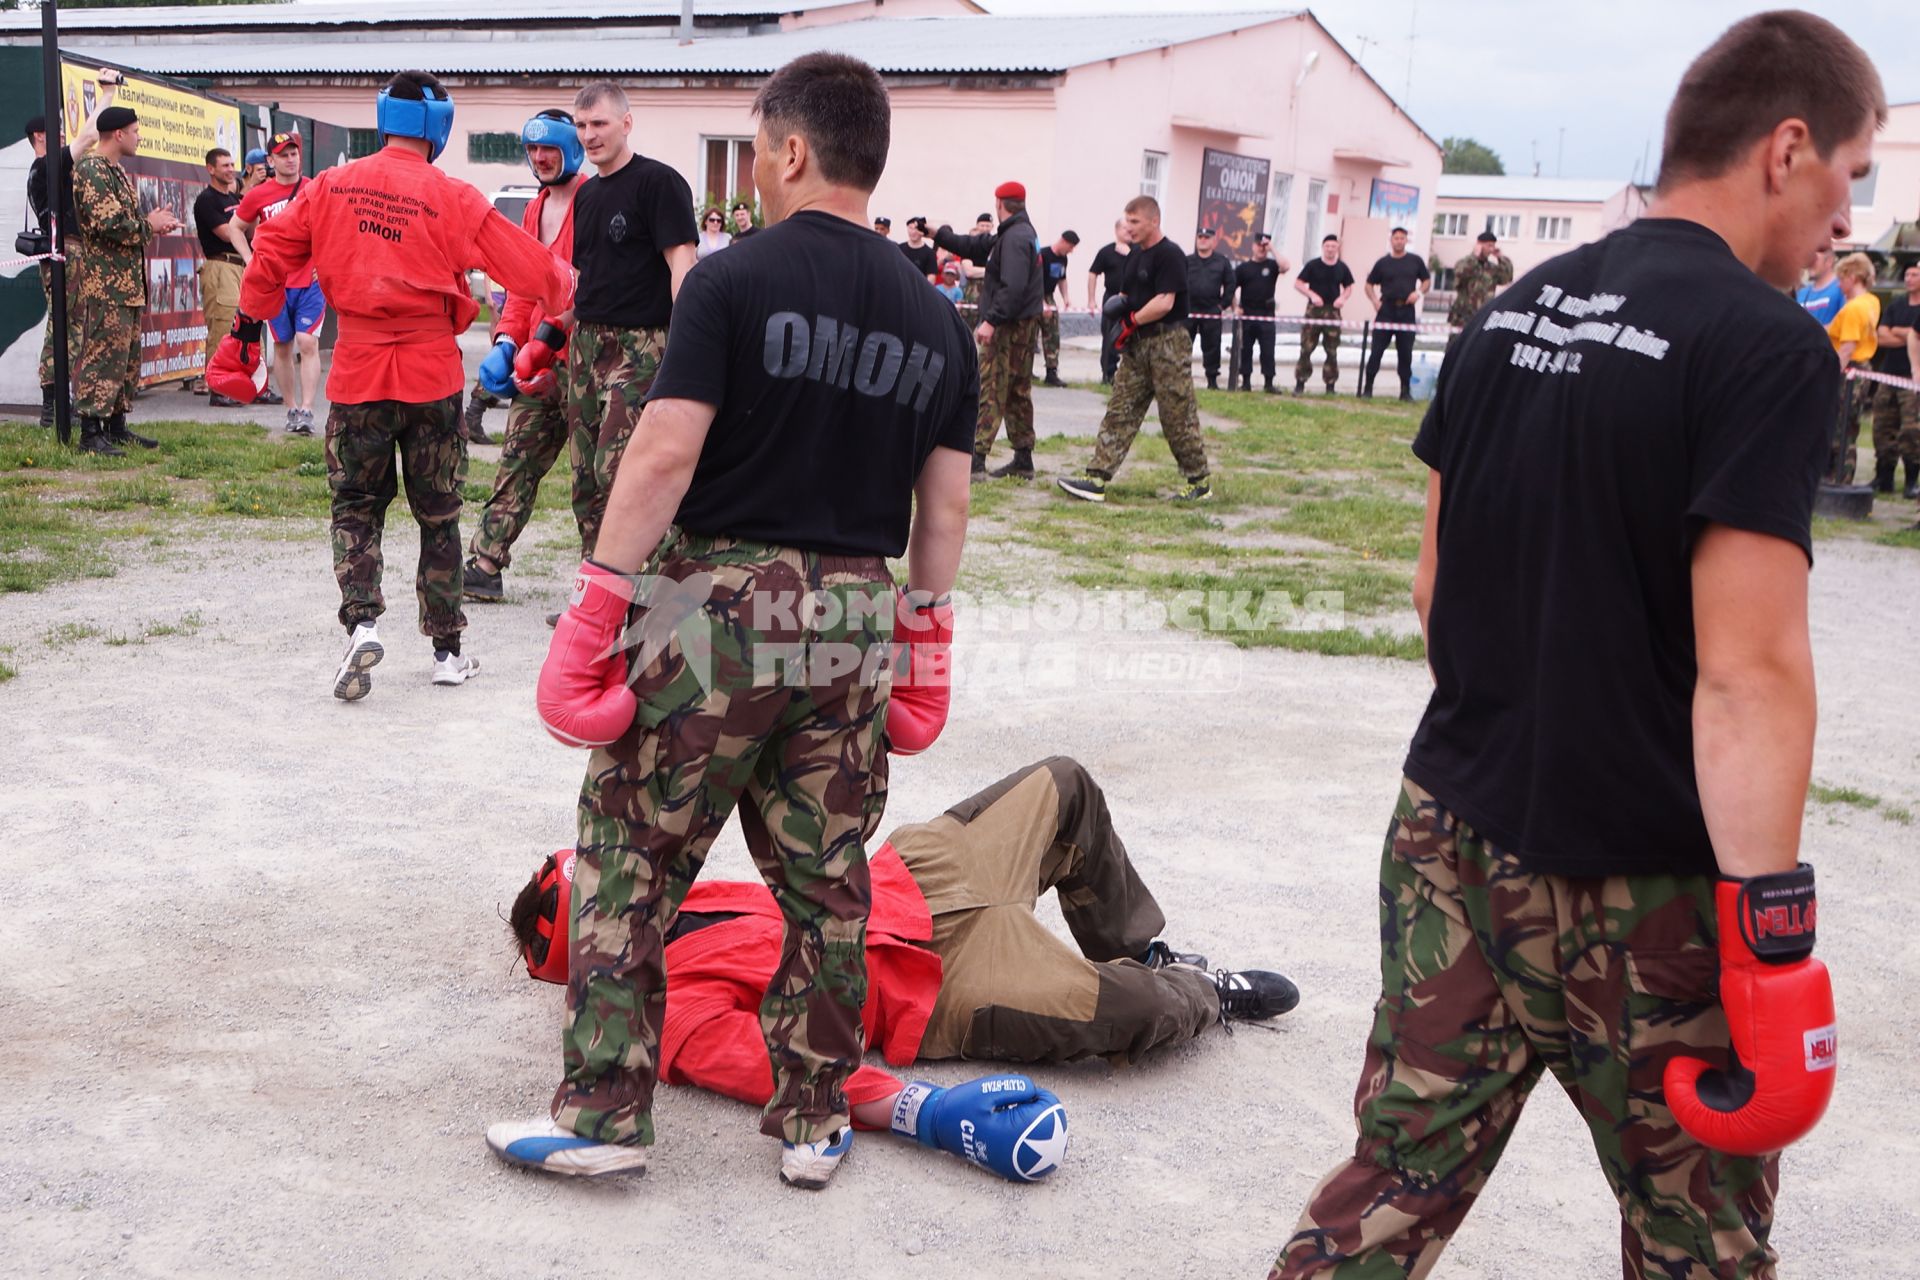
{"type": "Point", "coordinates": [1913, 481]}
{"type": "Point", "coordinates": [1020, 468]}
{"type": "Point", "coordinates": [476, 429]}
{"type": "Point", "coordinates": [46, 407]}
{"type": "Point", "coordinates": [979, 471]}
{"type": "Point", "coordinates": [1053, 379]}
{"type": "Point", "coordinates": [117, 433]}
{"type": "Point", "coordinates": [95, 437]}
{"type": "Point", "coordinates": [1883, 475]}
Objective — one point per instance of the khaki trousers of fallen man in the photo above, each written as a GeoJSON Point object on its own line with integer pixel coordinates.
{"type": "Point", "coordinates": [760, 674]}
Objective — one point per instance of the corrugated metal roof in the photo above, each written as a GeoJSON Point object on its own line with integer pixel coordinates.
{"type": "Point", "coordinates": [328, 13]}
{"type": "Point", "coordinates": [1475, 186]}
{"type": "Point", "coordinates": [898, 46]}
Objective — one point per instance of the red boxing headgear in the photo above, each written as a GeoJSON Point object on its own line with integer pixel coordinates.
{"type": "Point", "coordinates": [547, 957]}
{"type": "Point", "coordinates": [1010, 191]}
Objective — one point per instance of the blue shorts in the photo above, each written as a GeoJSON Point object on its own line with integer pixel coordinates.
{"type": "Point", "coordinates": [305, 311]}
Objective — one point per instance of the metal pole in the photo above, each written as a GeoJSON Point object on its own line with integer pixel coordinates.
{"type": "Point", "coordinates": [686, 22]}
{"type": "Point", "coordinates": [57, 182]}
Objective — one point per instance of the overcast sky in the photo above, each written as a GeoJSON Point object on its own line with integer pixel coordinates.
{"type": "Point", "coordinates": [1514, 73]}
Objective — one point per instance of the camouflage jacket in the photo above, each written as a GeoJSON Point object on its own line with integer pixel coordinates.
{"type": "Point", "coordinates": [1474, 280]}
{"type": "Point", "coordinates": [113, 234]}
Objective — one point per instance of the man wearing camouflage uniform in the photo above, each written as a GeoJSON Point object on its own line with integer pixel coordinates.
{"type": "Point", "coordinates": [776, 470]}
{"type": "Point", "coordinates": [1156, 363]}
{"type": "Point", "coordinates": [1324, 283]}
{"type": "Point", "coordinates": [1009, 315]}
{"type": "Point", "coordinates": [111, 254]}
{"type": "Point", "coordinates": [1476, 279]}
{"type": "Point", "coordinates": [1896, 429]}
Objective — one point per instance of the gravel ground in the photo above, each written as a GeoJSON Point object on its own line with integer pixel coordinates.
{"type": "Point", "coordinates": [259, 1009]}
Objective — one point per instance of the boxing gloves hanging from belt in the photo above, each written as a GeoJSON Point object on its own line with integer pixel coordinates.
{"type": "Point", "coordinates": [922, 672]}
{"type": "Point", "coordinates": [533, 373]}
{"type": "Point", "coordinates": [582, 694]}
{"type": "Point", "coordinates": [1117, 310]}
{"type": "Point", "coordinates": [1779, 1005]}
{"type": "Point", "coordinates": [234, 371]}
{"type": "Point", "coordinates": [496, 371]}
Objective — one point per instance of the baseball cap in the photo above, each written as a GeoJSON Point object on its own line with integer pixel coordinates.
{"type": "Point", "coordinates": [883, 221]}
{"type": "Point", "coordinates": [256, 156]}
{"type": "Point", "coordinates": [985, 217]}
{"type": "Point", "coordinates": [283, 142]}
{"type": "Point", "coordinates": [738, 205]}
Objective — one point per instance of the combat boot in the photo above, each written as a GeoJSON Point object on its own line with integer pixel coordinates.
{"type": "Point", "coordinates": [118, 433]}
{"type": "Point", "coordinates": [94, 438]}
{"type": "Point", "coordinates": [979, 471]}
{"type": "Point", "coordinates": [1053, 379]}
{"type": "Point", "coordinates": [1019, 468]}
{"type": "Point", "coordinates": [46, 406]}
{"type": "Point", "coordinates": [475, 426]}
{"type": "Point", "coordinates": [1913, 481]}
{"type": "Point", "coordinates": [1883, 475]}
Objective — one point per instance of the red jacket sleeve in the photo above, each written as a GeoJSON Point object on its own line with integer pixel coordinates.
{"type": "Point", "coordinates": [523, 264]}
{"type": "Point", "coordinates": [279, 244]}
{"type": "Point", "coordinates": [517, 312]}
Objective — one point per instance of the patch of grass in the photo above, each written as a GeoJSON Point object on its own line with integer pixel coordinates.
{"type": "Point", "coordinates": [188, 624]}
{"type": "Point", "coordinates": [1378, 528]}
{"type": "Point", "coordinates": [140, 490]}
{"type": "Point", "coordinates": [1898, 814]}
{"type": "Point", "coordinates": [1908, 538]}
{"type": "Point", "coordinates": [1819, 793]}
{"type": "Point", "coordinates": [6, 673]}
{"type": "Point", "coordinates": [69, 633]}
{"type": "Point", "coordinates": [1346, 642]}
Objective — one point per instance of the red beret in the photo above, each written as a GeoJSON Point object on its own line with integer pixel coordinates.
{"type": "Point", "coordinates": [1010, 191]}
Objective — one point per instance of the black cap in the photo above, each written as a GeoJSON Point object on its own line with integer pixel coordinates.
{"type": "Point", "coordinates": [116, 118]}
{"type": "Point", "coordinates": [883, 221]}
{"type": "Point", "coordinates": [1263, 238]}
{"type": "Point", "coordinates": [1071, 237]}
{"type": "Point", "coordinates": [1203, 231]}
{"type": "Point", "coordinates": [738, 205]}
{"type": "Point", "coordinates": [36, 125]}
{"type": "Point", "coordinates": [985, 217]}
{"type": "Point", "coordinates": [1487, 237]}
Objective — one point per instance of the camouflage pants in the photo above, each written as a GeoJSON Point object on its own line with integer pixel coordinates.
{"type": "Point", "coordinates": [608, 373]}
{"type": "Point", "coordinates": [361, 439]}
{"type": "Point", "coordinates": [745, 689]}
{"type": "Point", "coordinates": [106, 365]}
{"type": "Point", "coordinates": [1157, 367]}
{"type": "Point", "coordinates": [1896, 429]}
{"type": "Point", "coordinates": [1050, 339]}
{"type": "Point", "coordinates": [1006, 386]}
{"type": "Point", "coordinates": [1490, 977]}
{"type": "Point", "coordinates": [73, 324]}
{"type": "Point", "coordinates": [536, 433]}
{"type": "Point", "coordinates": [1312, 336]}
{"type": "Point", "coordinates": [1843, 458]}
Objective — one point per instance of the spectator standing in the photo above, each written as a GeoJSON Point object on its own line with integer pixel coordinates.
{"type": "Point", "coordinates": [1821, 295]}
{"type": "Point", "coordinates": [296, 327]}
{"type": "Point", "coordinates": [1255, 282]}
{"type": "Point", "coordinates": [713, 234]}
{"type": "Point", "coordinates": [1053, 288]}
{"type": "Point", "coordinates": [1324, 283]}
{"type": "Point", "coordinates": [883, 227]}
{"type": "Point", "coordinates": [254, 170]}
{"type": "Point", "coordinates": [1853, 332]}
{"type": "Point", "coordinates": [221, 265]}
{"type": "Point", "coordinates": [1476, 279]}
{"type": "Point", "coordinates": [1395, 286]}
{"type": "Point", "coordinates": [1210, 286]}
{"type": "Point", "coordinates": [920, 251]}
{"type": "Point", "coordinates": [1109, 265]}
{"type": "Point", "coordinates": [1008, 316]}
{"type": "Point", "coordinates": [1896, 434]}
{"type": "Point", "coordinates": [973, 272]}
{"type": "Point", "coordinates": [743, 220]}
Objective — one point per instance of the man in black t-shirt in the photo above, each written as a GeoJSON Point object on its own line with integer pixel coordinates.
{"type": "Point", "coordinates": [1325, 283]}
{"type": "Point", "coordinates": [1602, 806]}
{"type": "Point", "coordinates": [1256, 281]}
{"type": "Point", "coordinates": [1156, 363]}
{"type": "Point", "coordinates": [1109, 265]}
{"type": "Point", "coordinates": [633, 243]}
{"type": "Point", "coordinates": [1395, 286]}
{"type": "Point", "coordinates": [1896, 433]}
{"type": "Point", "coordinates": [1210, 284]}
{"type": "Point", "coordinates": [742, 220]}
{"type": "Point", "coordinates": [1053, 296]}
{"type": "Point", "coordinates": [920, 251]}
{"type": "Point", "coordinates": [814, 415]}
{"type": "Point", "coordinates": [221, 265]}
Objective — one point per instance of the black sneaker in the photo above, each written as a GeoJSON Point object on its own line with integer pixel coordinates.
{"type": "Point", "coordinates": [269, 396]}
{"type": "Point", "coordinates": [553, 620]}
{"type": "Point", "coordinates": [1159, 955]}
{"type": "Point", "coordinates": [477, 584]}
{"type": "Point", "coordinates": [1085, 486]}
{"type": "Point", "coordinates": [1253, 995]}
{"type": "Point", "coordinates": [1200, 490]}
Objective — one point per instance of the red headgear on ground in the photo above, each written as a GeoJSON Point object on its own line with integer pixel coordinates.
{"type": "Point", "coordinates": [550, 920]}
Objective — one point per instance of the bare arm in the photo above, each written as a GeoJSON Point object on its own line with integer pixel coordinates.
{"type": "Point", "coordinates": [939, 521]}
{"type": "Point", "coordinates": [1846, 353]}
{"type": "Point", "coordinates": [1300, 287]}
{"type": "Point", "coordinates": [1373, 295]}
{"type": "Point", "coordinates": [1158, 305]}
{"type": "Point", "coordinates": [1753, 703]}
{"type": "Point", "coordinates": [680, 260]}
{"type": "Point", "coordinates": [1346, 291]}
{"type": "Point", "coordinates": [1092, 284]}
{"type": "Point", "coordinates": [231, 232]}
{"type": "Point", "coordinates": [653, 477]}
{"type": "Point", "coordinates": [1428, 566]}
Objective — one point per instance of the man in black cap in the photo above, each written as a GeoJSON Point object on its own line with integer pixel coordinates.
{"type": "Point", "coordinates": [742, 220]}
{"type": "Point", "coordinates": [1395, 286]}
{"type": "Point", "coordinates": [1209, 292]}
{"type": "Point", "coordinates": [1257, 279]}
{"type": "Point", "coordinates": [40, 205]}
{"type": "Point", "coordinates": [884, 226]}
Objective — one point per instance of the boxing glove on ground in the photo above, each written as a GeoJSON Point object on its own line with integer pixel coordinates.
{"type": "Point", "coordinates": [233, 371]}
{"type": "Point", "coordinates": [583, 695]}
{"type": "Point", "coordinates": [1004, 1123]}
{"type": "Point", "coordinates": [496, 371]}
{"type": "Point", "coordinates": [1779, 1004]}
{"type": "Point", "coordinates": [922, 673]}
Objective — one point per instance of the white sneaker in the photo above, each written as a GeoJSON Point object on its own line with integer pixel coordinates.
{"type": "Point", "coordinates": [810, 1165]}
{"type": "Point", "coordinates": [453, 668]}
{"type": "Point", "coordinates": [542, 1144]}
{"type": "Point", "coordinates": [352, 681]}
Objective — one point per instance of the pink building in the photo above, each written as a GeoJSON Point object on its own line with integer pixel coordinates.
{"type": "Point", "coordinates": [1247, 120]}
{"type": "Point", "coordinates": [1891, 193]}
{"type": "Point", "coordinates": [1535, 218]}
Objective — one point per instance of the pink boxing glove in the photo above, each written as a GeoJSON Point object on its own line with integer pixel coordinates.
{"type": "Point", "coordinates": [583, 695]}
{"type": "Point", "coordinates": [922, 674]}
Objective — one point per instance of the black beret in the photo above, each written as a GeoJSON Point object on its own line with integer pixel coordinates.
{"type": "Point", "coordinates": [116, 118]}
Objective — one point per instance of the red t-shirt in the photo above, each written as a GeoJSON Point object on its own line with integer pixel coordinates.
{"type": "Point", "coordinates": [269, 200]}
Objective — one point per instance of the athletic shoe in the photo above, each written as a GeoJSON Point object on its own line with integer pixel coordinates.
{"type": "Point", "coordinates": [1253, 995]}
{"type": "Point", "coordinates": [810, 1165]}
{"type": "Point", "coordinates": [269, 396]}
{"type": "Point", "coordinates": [353, 680]}
{"type": "Point", "coordinates": [477, 584]}
{"type": "Point", "coordinates": [1086, 487]}
{"type": "Point", "coordinates": [1159, 955]}
{"type": "Point", "coordinates": [1200, 490]}
{"type": "Point", "coordinates": [453, 668]}
{"type": "Point", "coordinates": [297, 424]}
{"type": "Point", "coordinates": [217, 401]}
{"type": "Point", "coordinates": [553, 620]}
{"type": "Point", "coordinates": [542, 1144]}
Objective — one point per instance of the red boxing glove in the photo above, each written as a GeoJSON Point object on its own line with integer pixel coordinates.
{"type": "Point", "coordinates": [1779, 1005]}
{"type": "Point", "coordinates": [235, 368]}
{"type": "Point", "coordinates": [537, 357]}
{"type": "Point", "coordinates": [583, 695]}
{"type": "Point", "coordinates": [1127, 328]}
{"type": "Point", "coordinates": [922, 673]}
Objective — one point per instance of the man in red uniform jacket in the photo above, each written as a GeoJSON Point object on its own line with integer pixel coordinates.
{"type": "Point", "coordinates": [392, 239]}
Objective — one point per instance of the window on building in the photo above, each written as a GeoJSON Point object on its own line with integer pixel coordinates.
{"type": "Point", "coordinates": [1280, 207]}
{"type": "Point", "coordinates": [1450, 224]}
{"type": "Point", "coordinates": [1153, 173]}
{"type": "Point", "coordinates": [1553, 230]}
{"type": "Point", "coordinates": [1863, 188]}
{"type": "Point", "coordinates": [1443, 280]}
{"type": "Point", "coordinates": [727, 170]}
{"type": "Point", "coordinates": [1504, 225]}
{"type": "Point", "coordinates": [362, 143]}
{"type": "Point", "coordinates": [493, 148]}
{"type": "Point", "coordinates": [1316, 206]}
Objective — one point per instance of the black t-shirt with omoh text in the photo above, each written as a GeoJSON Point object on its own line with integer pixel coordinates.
{"type": "Point", "coordinates": [835, 370]}
{"type": "Point", "coordinates": [1326, 280]}
{"type": "Point", "coordinates": [622, 224]}
{"type": "Point", "coordinates": [1152, 272]}
{"type": "Point", "coordinates": [1590, 422]}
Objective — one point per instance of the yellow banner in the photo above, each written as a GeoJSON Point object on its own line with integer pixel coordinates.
{"type": "Point", "coordinates": [174, 125]}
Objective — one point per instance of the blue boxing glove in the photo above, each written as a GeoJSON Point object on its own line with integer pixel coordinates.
{"type": "Point", "coordinates": [496, 371]}
{"type": "Point", "coordinates": [1004, 1123]}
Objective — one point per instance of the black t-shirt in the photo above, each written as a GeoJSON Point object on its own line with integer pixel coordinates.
{"type": "Point", "coordinates": [1257, 282]}
{"type": "Point", "coordinates": [1397, 278]}
{"type": "Point", "coordinates": [1053, 273]}
{"type": "Point", "coordinates": [41, 203]}
{"type": "Point", "coordinates": [1111, 266]}
{"type": "Point", "coordinates": [622, 223]}
{"type": "Point", "coordinates": [1325, 280]}
{"type": "Point", "coordinates": [835, 370]}
{"type": "Point", "coordinates": [1590, 422]}
{"type": "Point", "coordinates": [211, 210]}
{"type": "Point", "coordinates": [1892, 358]}
{"type": "Point", "coordinates": [1152, 272]}
{"type": "Point", "coordinates": [924, 257]}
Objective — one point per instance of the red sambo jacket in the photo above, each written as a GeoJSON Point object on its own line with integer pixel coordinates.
{"type": "Point", "coordinates": [522, 313]}
{"type": "Point", "coordinates": [717, 975]}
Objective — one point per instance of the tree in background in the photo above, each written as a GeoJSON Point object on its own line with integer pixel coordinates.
{"type": "Point", "coordinates": [1464, 155]}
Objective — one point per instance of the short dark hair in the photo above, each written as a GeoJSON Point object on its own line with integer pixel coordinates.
{"type": "Point", "coordinates": [839, 105]}
{"type": "Point", "coordinates": [410, 86]}
{"type": "Point", "coordinates": [985, 217]}
{"type": "Point", "coordinates": [1013, 206]}
{"type": "Point", "coordinates": [1327, 237]}
{"type": "Point", "coordinates": [1144, 204]}
{"type": "Point", "coordinates": [35, 124]}
{"type": "Point", "coordinates": [1071, 237]}
{"type": "Point", "coordinates": [601, 91]}
{"type": "Point", "coordinates": [215, 153]}
{"type": "Point", "coordinates": [1398, 231]}
{"type": "Point", "coordinates": [1784, 65]}
{"type": "Point", "coordinates": [526, 910]}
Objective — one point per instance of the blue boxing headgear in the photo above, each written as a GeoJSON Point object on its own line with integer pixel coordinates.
{"type": "Point", "coordinates": [430, 118]}
{"type": "Point", "coordinates": [555, 129]}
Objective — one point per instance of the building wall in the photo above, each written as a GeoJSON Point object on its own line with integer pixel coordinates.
{"type": "Point", "coordinates": [1896, 182]}
{"type": "Point", "coordinates": [1590, 220]}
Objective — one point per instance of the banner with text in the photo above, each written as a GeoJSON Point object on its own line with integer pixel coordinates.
{"type": "Point", "coordinates": [1233, 199]}
{"type": "Point", "coordinates": [1396, 202]}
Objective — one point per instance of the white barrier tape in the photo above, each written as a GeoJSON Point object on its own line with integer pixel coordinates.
{"type": "Point", "coordinates": [1389, 326]}
{"type": "Point", "coordinates": [38, 257]}
{"type": "Point", "coordinates": [1884, 379]}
